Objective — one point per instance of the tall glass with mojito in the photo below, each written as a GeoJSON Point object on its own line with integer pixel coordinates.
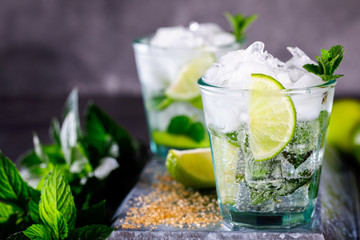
{"type": "Point", "coordinates": [267, 122]}
{"type": "Point", "coordinates": [169, 63]}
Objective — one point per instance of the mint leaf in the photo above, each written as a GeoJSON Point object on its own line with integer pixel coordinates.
{"type": "Point", "coordinates": [55, 131]}
{"type": "Point", "coordinates": [185, 126]}
{"type": "Point", "coordinates": [179, 125]}
{"type": "Point", "coordinates": [13, 188]}
{"type": "Point", "coordinates": [68, 136]}
{"type": "Point", "coordinates": [71, 106]}
{"type": "Point", "coordinates": [57, 208]}
{"type": "Point", "coordinates": [94, 232]}
{"type": "Point", "coordinates": [39, 149]}
{"type": "Point", "coordinates": [315, 69]}
{"type": "Point", "coordinates": [196, 132]}
{"type": "Point", "coordinates": [33, 209]}
{"type": "Point", "coordinates": [104, 136]}
{"type": "Point", "coordinates": [258, 196]}
{"type": "Point", "coordinates": [327, 63]}
{"type": "Point", "coordinates": [5, 212]}
{"type": "Point", "coordinates": [240, 24]}
{"type": "Point", "coordinates": [37, 232]}
{"type": "Point", "coordinates": [160, 102]}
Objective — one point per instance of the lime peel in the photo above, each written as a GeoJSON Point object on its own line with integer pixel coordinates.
{"type": "Point", "coordinates": [193, 168]}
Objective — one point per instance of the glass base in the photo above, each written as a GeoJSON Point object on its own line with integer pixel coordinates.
{"type": "Point", "coordinates": [234, 218]}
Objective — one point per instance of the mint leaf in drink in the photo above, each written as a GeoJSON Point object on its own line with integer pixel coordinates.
{"type": "Point", "coordinates": [57, 208]}
{"type": "Point", "coordinates": [160, 102]}
{"type": "Point", "coordinates": [240, 24]}
{"type": "Point", "coordinates": [327, 63]}
{"type": "Point", "coordinates": [258, 196]}
{"type": "Point", "coordinates": [94, 232]}
{"type": "Point", "coordinates": [184, 125]}
{"type": "Point", "coordinates": [233, 138]}
{"type": "Point", "coordinates": [179, 125]}
{"type": "Point", "coordinates": [37, 232]}
{"type": "Point", "coordinates": [196, 132]}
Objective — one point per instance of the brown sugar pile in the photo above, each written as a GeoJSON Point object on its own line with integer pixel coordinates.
{"type": "Point", "coordinates": [171, 204]}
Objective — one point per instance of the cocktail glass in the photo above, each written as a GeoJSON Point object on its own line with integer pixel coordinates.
{"type": "Point", "coordinates": [174, 111]}
{"type": "Point", "coordinates": [276, 192]}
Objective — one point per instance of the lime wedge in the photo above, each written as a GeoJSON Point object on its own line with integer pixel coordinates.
{"type": "Point", "coordinates": [272, 117]}
{"type": "Point", "coordinates": [345, 116]}
{"type": "Point", "coordinates": [226, 159]}
{"type": "Point", "coordinates": [185, 87]}
{"type": "Point", "coordinates": [193, 168]}
{"type": "Point", "coordinates": [178, 140]}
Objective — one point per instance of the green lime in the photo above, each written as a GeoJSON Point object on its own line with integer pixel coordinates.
{"type": "Point", "coordinates": [193, 168]}
{"type": "Point", "coordinates": [185, 87]}
{"type": "Point", "coordinates": [345, 116]}
{"type": "Point", "coordinates": [272, 117]}
{"type": "Point", "coordinates": [197, 102]}
{"type": "Point", "coordinates": [226, 158]}
{"type": "Point", "coordinates": [178, 140]}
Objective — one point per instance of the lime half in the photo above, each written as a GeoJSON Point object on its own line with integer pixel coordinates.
{"type": "Point", "coordinates": [272, 117]}
{"type": "Point", "coordinates": [193, 168]}
{"type": "Point", "coordinates": [185, 87]}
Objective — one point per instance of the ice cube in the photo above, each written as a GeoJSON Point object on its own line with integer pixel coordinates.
{"type": "Point", "coordinates": [307, 107]}
{"type": "Point", "coordinates": [307, 80]}
{"type": "Point", "coordinates": [296, 63]}
{"type": "Point", "coordinates": [235, 68]}
{"type": "Point", "coordinates": [176, 37]}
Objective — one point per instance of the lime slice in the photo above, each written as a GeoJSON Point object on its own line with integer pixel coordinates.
{"type": "Point", "coordinates": [193, 168]}
{"type": "Point", "coordinates": [178, 140]}
{"type": "Point", "coordinates": [272, 117]}
{"type": "Point", "coordinates": [185, 86]}
{"type": "Point", "coordinates": [226, 158]}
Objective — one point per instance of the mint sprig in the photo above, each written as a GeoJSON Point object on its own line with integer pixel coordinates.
{"type": "Point", "coordinates": [240, 24]}
{"type": "Point", "coordinates": [327, 63]}
{"type": "Point", "coordinates": [75, 155]}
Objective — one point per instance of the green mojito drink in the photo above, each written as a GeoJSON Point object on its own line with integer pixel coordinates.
{"type": "Point", "coordinates": [169, 63]}
{"type": "Point", "coordinates": [267, 122]}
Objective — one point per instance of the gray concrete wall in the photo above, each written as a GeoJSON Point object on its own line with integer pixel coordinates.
{"type": "Point", "coordinates": [48, 47]}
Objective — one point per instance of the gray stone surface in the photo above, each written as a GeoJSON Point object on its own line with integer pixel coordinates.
{"type": "Point", "coordinates": [47, 47]}
{"type": "Point", "coordinates": [336, 217]}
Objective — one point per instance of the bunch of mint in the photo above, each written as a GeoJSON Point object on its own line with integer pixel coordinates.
{"type": "Point", "coordinates": [327, 63]}
{"type": "Point", "coordinates": [81, 168]}
{"type": "Point", "coordinates": [239, 24]}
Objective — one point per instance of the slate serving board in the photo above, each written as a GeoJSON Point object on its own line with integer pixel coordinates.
{"type": "Point", "coordinates": [336, 217]}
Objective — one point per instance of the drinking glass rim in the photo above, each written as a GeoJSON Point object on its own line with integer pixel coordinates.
{"type": "Point", "coordinates": [142, 42]}
{"type": "Point", "coordinates": [223, 90]}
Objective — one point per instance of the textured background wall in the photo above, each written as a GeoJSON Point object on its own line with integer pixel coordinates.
{"type": "Point", "coordinates": [48, 47]}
